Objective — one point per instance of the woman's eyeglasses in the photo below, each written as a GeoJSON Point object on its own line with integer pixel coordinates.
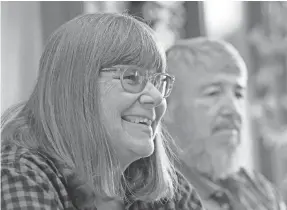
{"type": "Point", "coordinates": [135, 79]}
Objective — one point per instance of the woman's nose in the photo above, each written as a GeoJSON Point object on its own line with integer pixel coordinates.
{"type": "Point", "coordinates": [151, 96]}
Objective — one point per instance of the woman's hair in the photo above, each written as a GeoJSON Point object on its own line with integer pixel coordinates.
{"type": "Point", "coordinates": [62, 116]}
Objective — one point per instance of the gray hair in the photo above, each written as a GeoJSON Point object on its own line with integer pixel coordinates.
{"type": "Point", "coordinates": [201, 53]}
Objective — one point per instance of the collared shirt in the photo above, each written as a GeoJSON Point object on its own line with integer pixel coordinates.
{"type": "Point", "coordinates": [30, 181]}
{"type": "Point", "coordinates": [241, 191]}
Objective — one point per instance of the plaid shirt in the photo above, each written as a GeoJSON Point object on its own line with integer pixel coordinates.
{"type": "Point", "coordinates": [241, 191]}
{"type": "Point", "coordinates": [29, 181]}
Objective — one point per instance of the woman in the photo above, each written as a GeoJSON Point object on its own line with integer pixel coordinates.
{"type": "Point", "coordinates": [89, 137]}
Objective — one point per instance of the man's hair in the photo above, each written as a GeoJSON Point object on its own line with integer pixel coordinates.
{"type": "Point", "coordinates": [62, 116]}
{"type": "Point", "coordinates": [201, 54]}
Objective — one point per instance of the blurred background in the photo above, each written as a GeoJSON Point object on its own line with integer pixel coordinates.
{"type": "Point", "coordinates": [257, 29]}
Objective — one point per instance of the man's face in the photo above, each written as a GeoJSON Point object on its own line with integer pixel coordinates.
{"type": "Point", "coordinates": [208, 107]}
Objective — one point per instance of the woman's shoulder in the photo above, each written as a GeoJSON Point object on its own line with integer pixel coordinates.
{"type": "Point", "coordinates": [186, 196]}
{"type": "Point", "coordinates": [18, 157]}
{"type": "Point", "coordinates": [255, 178]}
{"type": "Point", "coordinates": [28, 178]}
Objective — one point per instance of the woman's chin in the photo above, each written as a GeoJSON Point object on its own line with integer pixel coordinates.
{"type": "Point", "coordinates": [141, 147]}
{"type": "Point", "coordinates": [144, 149]}
{"type": "Point", "coordinates": [139, 139]}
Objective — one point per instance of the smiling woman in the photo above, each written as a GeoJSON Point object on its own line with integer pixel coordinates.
{"type": "Point", "coordinates": [138, 113]}
{"type": "Point", "coordinates": [90, 134]}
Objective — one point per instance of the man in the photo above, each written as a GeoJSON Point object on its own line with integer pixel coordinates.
{"type": "Point", "coordinates": [205, 117]}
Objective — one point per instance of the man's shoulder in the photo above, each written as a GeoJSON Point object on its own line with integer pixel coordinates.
{"type": "Point", "coordinates": [261, 183]}
{"type": "Point", "coordinates": [256, 178]}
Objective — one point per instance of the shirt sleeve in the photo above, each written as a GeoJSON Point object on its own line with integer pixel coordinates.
{"type": "Point", "coordinates": [270, 190]}
{"type": "Point", "coordinates": [23, 187]}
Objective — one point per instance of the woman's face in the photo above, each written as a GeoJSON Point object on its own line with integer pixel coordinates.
{"type": "Point", "coordinates": [131, 119]}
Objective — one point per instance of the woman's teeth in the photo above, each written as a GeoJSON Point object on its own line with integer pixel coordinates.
{"type": "Point", "coordinates": [138, 120]}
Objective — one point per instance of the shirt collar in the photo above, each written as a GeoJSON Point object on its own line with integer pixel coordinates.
{"type": "Point", "coordinates": [203, 185]}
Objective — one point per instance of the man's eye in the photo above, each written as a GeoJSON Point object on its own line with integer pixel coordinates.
{"type": "Point", "coordinates": [239, 95]}
{"type": "Point", "coordinates": [213, 93]}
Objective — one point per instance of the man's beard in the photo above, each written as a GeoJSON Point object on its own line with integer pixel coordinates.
{"type": "Point", "coordinates": [222, 163]}
{"type": "Point", "coordinates": [215, 163]}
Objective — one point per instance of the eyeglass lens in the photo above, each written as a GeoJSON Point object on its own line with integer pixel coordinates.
{"type": "Point", "coordinates": [134, 80]}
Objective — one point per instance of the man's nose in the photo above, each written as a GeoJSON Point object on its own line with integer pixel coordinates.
{"type": "Point", "coordinates": [230, 105]}
{"type": "Point", "coordinates": [151, 96]}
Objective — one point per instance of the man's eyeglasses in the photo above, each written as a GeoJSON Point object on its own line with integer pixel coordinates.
{"type": "Point", "coordinates": [134, 79]}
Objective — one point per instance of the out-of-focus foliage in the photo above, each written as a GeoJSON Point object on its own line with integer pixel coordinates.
{"type": "Point", "coordinates": [167, 18]}
{"type": "Point", "coordinates": [269, 87]}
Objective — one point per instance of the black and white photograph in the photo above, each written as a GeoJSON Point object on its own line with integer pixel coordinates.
{"type": "Point", "coordinates": [144, 105]}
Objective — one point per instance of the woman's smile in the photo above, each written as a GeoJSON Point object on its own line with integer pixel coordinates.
{"type": "Point", "coordinates": [138, 120]}
{"type": "Point", "coordinates": [141, 123]}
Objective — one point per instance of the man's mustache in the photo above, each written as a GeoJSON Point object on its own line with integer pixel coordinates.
{"type": "Point", "coordinates": [227, 123]}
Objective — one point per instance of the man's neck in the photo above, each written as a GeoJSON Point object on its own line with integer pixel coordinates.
{"type": "Point", "coordinates": [215, 166]}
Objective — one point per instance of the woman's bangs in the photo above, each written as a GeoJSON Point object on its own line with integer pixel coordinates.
{"type": "Point", "coordinates": [143, 51]}
{"type": "Point", "coordinates": [151, 58]}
